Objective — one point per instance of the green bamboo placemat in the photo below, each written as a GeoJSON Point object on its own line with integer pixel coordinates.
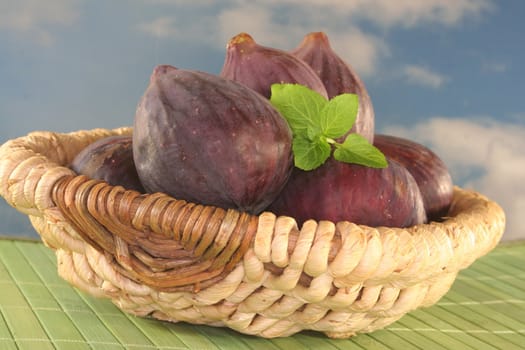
{"type": "Point", "coordinates": [485, 309]}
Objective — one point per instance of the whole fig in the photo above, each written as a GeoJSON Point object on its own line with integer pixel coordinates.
{"type": "Point", "coordinates": [338, 191]}
{"type": "Point", "coordinates": [109, 159]}
{"type": "Point", "coordinates": [338, 77]}
{"type": "Point", "coordinates": [210, 140]}
{"type": "Point", "coordinates": [258, 67]}
{"type": "Point", "coordinates": [429, 171]}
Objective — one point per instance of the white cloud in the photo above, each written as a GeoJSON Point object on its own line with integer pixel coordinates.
{"type": "Point", "coordinates": [33, 18]}
{"type": "Point", "coordinates": [162, 27]}
{"type": "Point", "coordinates": [423, 76]}
{"type": "Point", "coordinates": [183, 29]}
{"type": "Point", "coordinates": [409, 13]}
{"type": "Point", "coordinates": [495, 67]}
{"type": "Point", "coordinates": [340, 19]}
{"type": "Point", "coordinates": [256, 20]}
{"type": "Point", "coordinates": [483, 154]}
{"type": "Point", "coordinates": [388, 13]}
{"type": "Point", "coordinates": [361, 50]}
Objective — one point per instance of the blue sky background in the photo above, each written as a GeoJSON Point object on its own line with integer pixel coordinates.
{"type": "Point", "coordinates": [448, 74]}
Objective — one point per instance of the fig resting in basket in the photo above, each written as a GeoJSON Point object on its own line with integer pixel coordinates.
{"type": "Point", "coordinates": [267, 214]}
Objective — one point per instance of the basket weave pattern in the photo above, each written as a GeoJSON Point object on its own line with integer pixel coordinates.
{"type": "Point", "coordinates": [156, 256]}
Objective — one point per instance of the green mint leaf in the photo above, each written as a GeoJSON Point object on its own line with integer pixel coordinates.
{"type": "Point", "coordinates": [300, 106]}
{"type": "Point", "coordinates": [356, 149]}
{"type": "Point", "coordinates": [338, 115]}
{"type": "Point", "coordinates": [316, 123]}
{"type": "Point", "coordinates": [309, 154]}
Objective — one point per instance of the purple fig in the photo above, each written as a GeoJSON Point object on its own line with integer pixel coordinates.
{"type": "Point", "coordinates": [109, 159]}
{"type": "Point", "coordinates": [209, 140]}
{"type": "Point", "coordinates": [338, 77]}
{"type": "Point", "coordinates": [258, 67]}
{"type": "Point", "coordinates": [338, 191]}
{"type": "Point", "coordinates": [429, 171]}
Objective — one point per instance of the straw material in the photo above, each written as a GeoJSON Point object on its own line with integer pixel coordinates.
{"type": "Point", "coordinates": [156, 256]}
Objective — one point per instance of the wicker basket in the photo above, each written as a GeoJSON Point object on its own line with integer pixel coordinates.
{"type": "Point", "coordinates": [156, 256]}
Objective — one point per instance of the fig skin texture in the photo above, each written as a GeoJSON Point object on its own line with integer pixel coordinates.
{"type": "Point", "coordinates": [109, 159]}
{"type": "Point", "coordinates": [338, 77]}
{"type": "Point", "coordinates": [209, 140]}
{"type": "Point", "coordinates": [338, 191]}
{"type": "Point", "coordinates": [258, 67]}
{"type": "Point", "coordinates": [429, 171]}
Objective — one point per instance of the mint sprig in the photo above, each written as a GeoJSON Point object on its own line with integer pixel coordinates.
{"type": "Point", "coordinates": [316, 123]}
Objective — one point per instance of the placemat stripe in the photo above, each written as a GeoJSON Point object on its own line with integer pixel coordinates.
{"type": "Point", "coordinates": [411, 324]}
{"type": "Point", "coordinates": [38, 310]}
{"type": "Point", "coordinates": [101, 326]}
{"type": "Point", "coordinates": [493, 292]}
{"type": "Point", "coordinates": [22, 321]}
{"type": "Point", "coordinates": [67, 299]}
{"type": "Point", "coordinates": [455, 328]}
{"type": "Point", "coordinates": [502, 326]}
